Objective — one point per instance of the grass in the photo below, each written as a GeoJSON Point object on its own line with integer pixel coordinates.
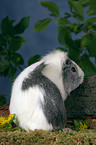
{"type": "Point", "coordinates": [39, 137]}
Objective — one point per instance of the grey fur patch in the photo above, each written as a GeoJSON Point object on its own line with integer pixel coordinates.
{"type": "Point", "coordinates": [53, 107]}
{"type": "Point", "coordinates": [34, 78]}
{"type": "Point", "coordinates": [71, 77]}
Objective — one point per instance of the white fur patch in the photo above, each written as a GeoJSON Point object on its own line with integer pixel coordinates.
{"type": "Point", "coordinates": [26, 104]}
{"type": "Point", "coordinates": [27, 107]}
{"type": "Point", "coordinates": [56, 58]}
{"type": "Point", "coordinates": [53, 71]}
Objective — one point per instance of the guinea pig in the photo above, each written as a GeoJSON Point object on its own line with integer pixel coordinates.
{"type": "Point", "coordinates": [38, 93]}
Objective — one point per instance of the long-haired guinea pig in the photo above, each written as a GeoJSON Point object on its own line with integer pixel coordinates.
{"type": "Point", "coordinates": [38, 93]}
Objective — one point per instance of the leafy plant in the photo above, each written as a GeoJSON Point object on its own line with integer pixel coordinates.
{"type": "Point", "coordinates": [34, 59]}
{"type": "Point", "coordinates": [7, 121]}
{"type": "Point", "coordinates": [80, 125]}
{"type": "Point", "coordinates": [83, 46]}
{"type": "Point", "coordinates": [10, 43]}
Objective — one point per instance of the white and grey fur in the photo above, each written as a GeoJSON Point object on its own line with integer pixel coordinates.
{"type": "Point", "coordinates": [39, 92]}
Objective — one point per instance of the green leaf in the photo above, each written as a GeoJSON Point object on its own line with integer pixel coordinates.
{"type": "Point", "coordinates": [52, 7]}
{"type": "Point", "coordinates": [81, 123]}
{"type": "Point", "coordinates": [84, 40]}
{"type": "Point", "coordinates": [62, 21]}
{"type": "Point", "coordinates": [91, 11]}
{"type": "Point", "coordinates": [34, 59]}
{"type": "Point", "coordinates": [92, 8]}
{"type": "Point", "coordinates": [75, 50]}
{"type": "Point", "coordinates": [76, 28]}
{"type": "Point", "coordinates": [93, 27]}
{"type": "Point", "coordinates": [77, 6]}
{"type": "Point", "coordinates": [67, 15]}
{"type": "Point", "coordinates": [89, 41]}
{"type": "Point", "coordinates": [90, 24]}
{"type": "Point", "coordinates": [2, 40]}
{"type": "Point", "coordinates": [64, 36]}
{"type": "Point", "coordinates": [22, 25]}
{"type": "Point", "coordinates": [6, 26]}
{"type": "Point", "coordinates": [11, 73]}
{"type": "Point", "coordinates": [17, 59]}
{"type": "Point", "coordinates": [16, 42]}
{"type": "Point", "coordinates": [92, 48]}
{"type": "Point", "coordinates": [42, 24]}
{"type": "Point", "coordinates": [76, 124]}
{"type": "Point", "coordinates": [84, 2]}
{"type": "Point", "coordinates": [91, 21]}
{"type": "Point", "coordinates": [65, 39]}
{"type": "Point", "coordinates": [86, 65]}
{"type": "Point", "coordinates": [4, 65]}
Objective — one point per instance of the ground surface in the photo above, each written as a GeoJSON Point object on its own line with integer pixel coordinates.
{"type": "Point", "coordinates": [10, 136]}
{"type": "Point", "coordinates": [40, 137]}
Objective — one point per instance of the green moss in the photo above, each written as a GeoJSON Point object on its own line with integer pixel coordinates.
{"type": "Point", "coordinates": [40, 137]}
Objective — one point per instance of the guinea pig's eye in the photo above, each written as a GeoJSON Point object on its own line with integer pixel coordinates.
{"type": "Point", "coordinates": [73, 69]}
